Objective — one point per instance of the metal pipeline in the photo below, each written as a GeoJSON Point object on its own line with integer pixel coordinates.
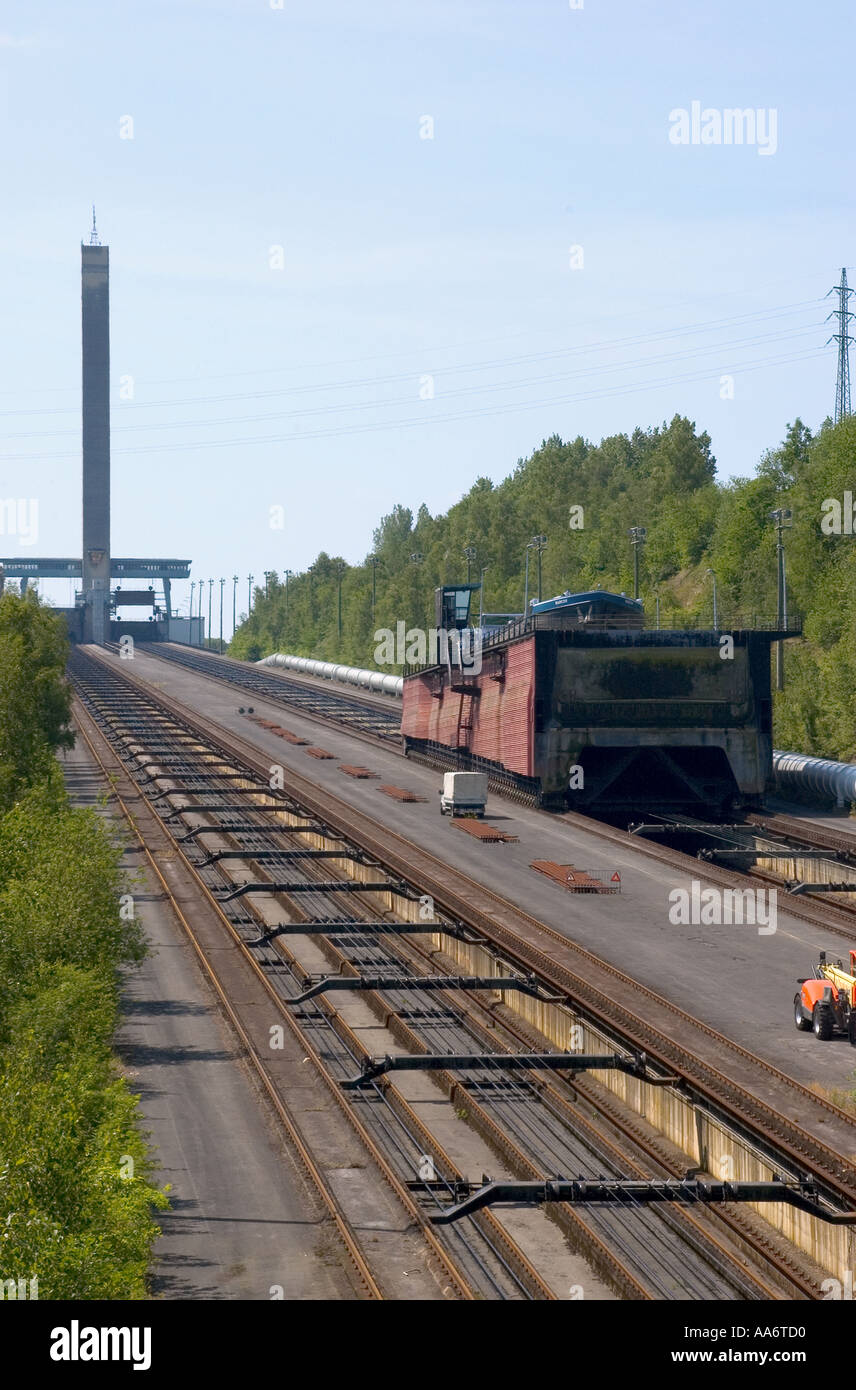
{"type": "Point", "coordinates": [797, 771]}
{"type": "Point", "coordinates": [333, 671]}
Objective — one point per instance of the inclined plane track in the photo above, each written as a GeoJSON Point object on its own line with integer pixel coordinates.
{"type": "Point", "coordinates": [529, 1120]}
{"type": "Point", "coordinates": [374, 720]}
{"type": "Point", "coordinates": [532, 944]}
{"type": "Point", "coordinates": [479, 1262]}
{"type": "Point", "coordinates": [524, 942]}
{"type": "Point", "coordinates": [217, 748]}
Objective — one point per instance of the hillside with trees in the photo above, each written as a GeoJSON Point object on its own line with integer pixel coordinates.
{"type": "Point", "coordinates": [584, 498]}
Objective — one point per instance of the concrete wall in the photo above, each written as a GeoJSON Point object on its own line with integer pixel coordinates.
{"type": "Point", "coordinates": [187, 630]}
{"type": "Point", "coordinates": [681, 690]}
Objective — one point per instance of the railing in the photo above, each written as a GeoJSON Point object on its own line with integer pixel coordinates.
{"type": "Point", "coordinates": [560, 621]}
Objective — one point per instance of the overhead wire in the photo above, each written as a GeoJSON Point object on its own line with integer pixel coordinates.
{"type": "Point", "coordinates": [655, 335]}
{"type": "Point", "coordinates": [429, 418]}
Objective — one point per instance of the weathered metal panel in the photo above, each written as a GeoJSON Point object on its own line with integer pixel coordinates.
{"type": "Point", "coordinates": [503, 721]}
{"type": "Point", "coordinates": [416, 707]}
{"type": "Point", "coordinates": [679, 691]}
{"type": "Point", "coordinates": [502, 714]}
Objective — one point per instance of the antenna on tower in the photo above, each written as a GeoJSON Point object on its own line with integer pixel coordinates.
{"type": "Point", "coordinates": [93, 235]}
{"type": "Point", "coordinates": [843, 339]}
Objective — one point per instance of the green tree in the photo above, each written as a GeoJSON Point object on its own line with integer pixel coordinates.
{"type": "Point", "coordinates": [663, 478]}
{"type": "Point", "coordinates": [34, 699]}
{"type": "Point", "coordinates": [76, 1191]}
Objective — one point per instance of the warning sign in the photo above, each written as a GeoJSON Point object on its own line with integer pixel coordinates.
{"type": "Point", "coordinates": [616, 878]}
{"type": "Point", "coordinates": [577, 880]}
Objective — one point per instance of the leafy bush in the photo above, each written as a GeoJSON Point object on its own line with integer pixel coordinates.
{"type": "Point", "coordinates": [76, 1193]}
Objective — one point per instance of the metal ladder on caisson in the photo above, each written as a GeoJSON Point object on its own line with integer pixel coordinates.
{"type": "Point", "coordinates": [466, 714]}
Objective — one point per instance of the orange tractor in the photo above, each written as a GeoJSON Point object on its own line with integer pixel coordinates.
{"type": "Point", "coordinates": [826, 1001]}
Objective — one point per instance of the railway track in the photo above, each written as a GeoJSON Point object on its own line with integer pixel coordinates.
{"type": "Point", "coordinates": [367, 719]}
{"type": "Point", "coordinates": [538, 1124]}
{"type": "Point", "coordinates": [656, 1156]}
{"type": "Point", "coordinates": [638, 1156]}
{"type": "Point", "coordinates": [780, 833]}
{"type": "Point", "coordinates": [481, 1262]}
{"type": "Point", "coordinates": [519, 942]}
{"type": "Point", "coordinates": [793, 828]}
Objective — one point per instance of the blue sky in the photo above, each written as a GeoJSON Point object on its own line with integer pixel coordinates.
{"type": "Point", "coordinates": [403, 258]}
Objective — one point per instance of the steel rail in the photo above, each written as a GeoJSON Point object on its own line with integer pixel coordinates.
{"type": "Point", "coordinates": [414, 1211]}
{"type": "Point", "coordinates": [273, 686]}
{"type": "Point", "coordinates": [815, 910]}
{"type": "Point", "coordinates": [821, 836]}
{"type": "Point", "coordinates": [570, 1220]}
{"type": "Point", "coordinates": [479, 1008]}
{"type": "Point", "coordinates": [621, 1276]}
{"type": "Point", "coordinates": [328, 1196]}
{"type": "Point", "coordinates": [705, 1235]}
{"type": "Point", "coordinates": [528, 943]}
{"type": "Point", "coordinates": [451, 1271]}
{"type": "Point", "coordinates": [575, 1225]}
{"type": "Point", "coordinates": [306, 1047]}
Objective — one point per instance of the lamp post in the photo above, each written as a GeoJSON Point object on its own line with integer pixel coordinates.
{"type": "Point", "coordinates": [416, 559]}
{"type": "Point", "coordinates": [482, 573]}
{"type": "Point", "coordinates": [234, 603]}
{"type": "Point", "coordinates": [249, 594]}
{"type": "Point", "coordinates": [288, 574]}
{"type": "Point", "coordinates": [537, 543]}
{"type": "Point", "coordinates": [374, 561]}
{"type": "Point", "coordinates": [715, 610]}
{"type": "Point", "coordinates": [210, 593]}
{"type": "Point", "coordinates": [782, 518]}
{"type": "Point", "coordinates": [192, 587]}
{"type": "Point", "coordinates": [222, 582]}
{"type": "Point", "coordinates": [471, 554]}
{"type": "Point", "coordinates": [638, 536]}
{"type": "Point", "coordinates": [340, 570]}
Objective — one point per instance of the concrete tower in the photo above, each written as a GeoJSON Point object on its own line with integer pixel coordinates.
{"type": "Point", "coordinates": [95, 314]}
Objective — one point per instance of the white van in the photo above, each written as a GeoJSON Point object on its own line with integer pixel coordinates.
{"type": "Point", "coordinates": [463, 794]}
